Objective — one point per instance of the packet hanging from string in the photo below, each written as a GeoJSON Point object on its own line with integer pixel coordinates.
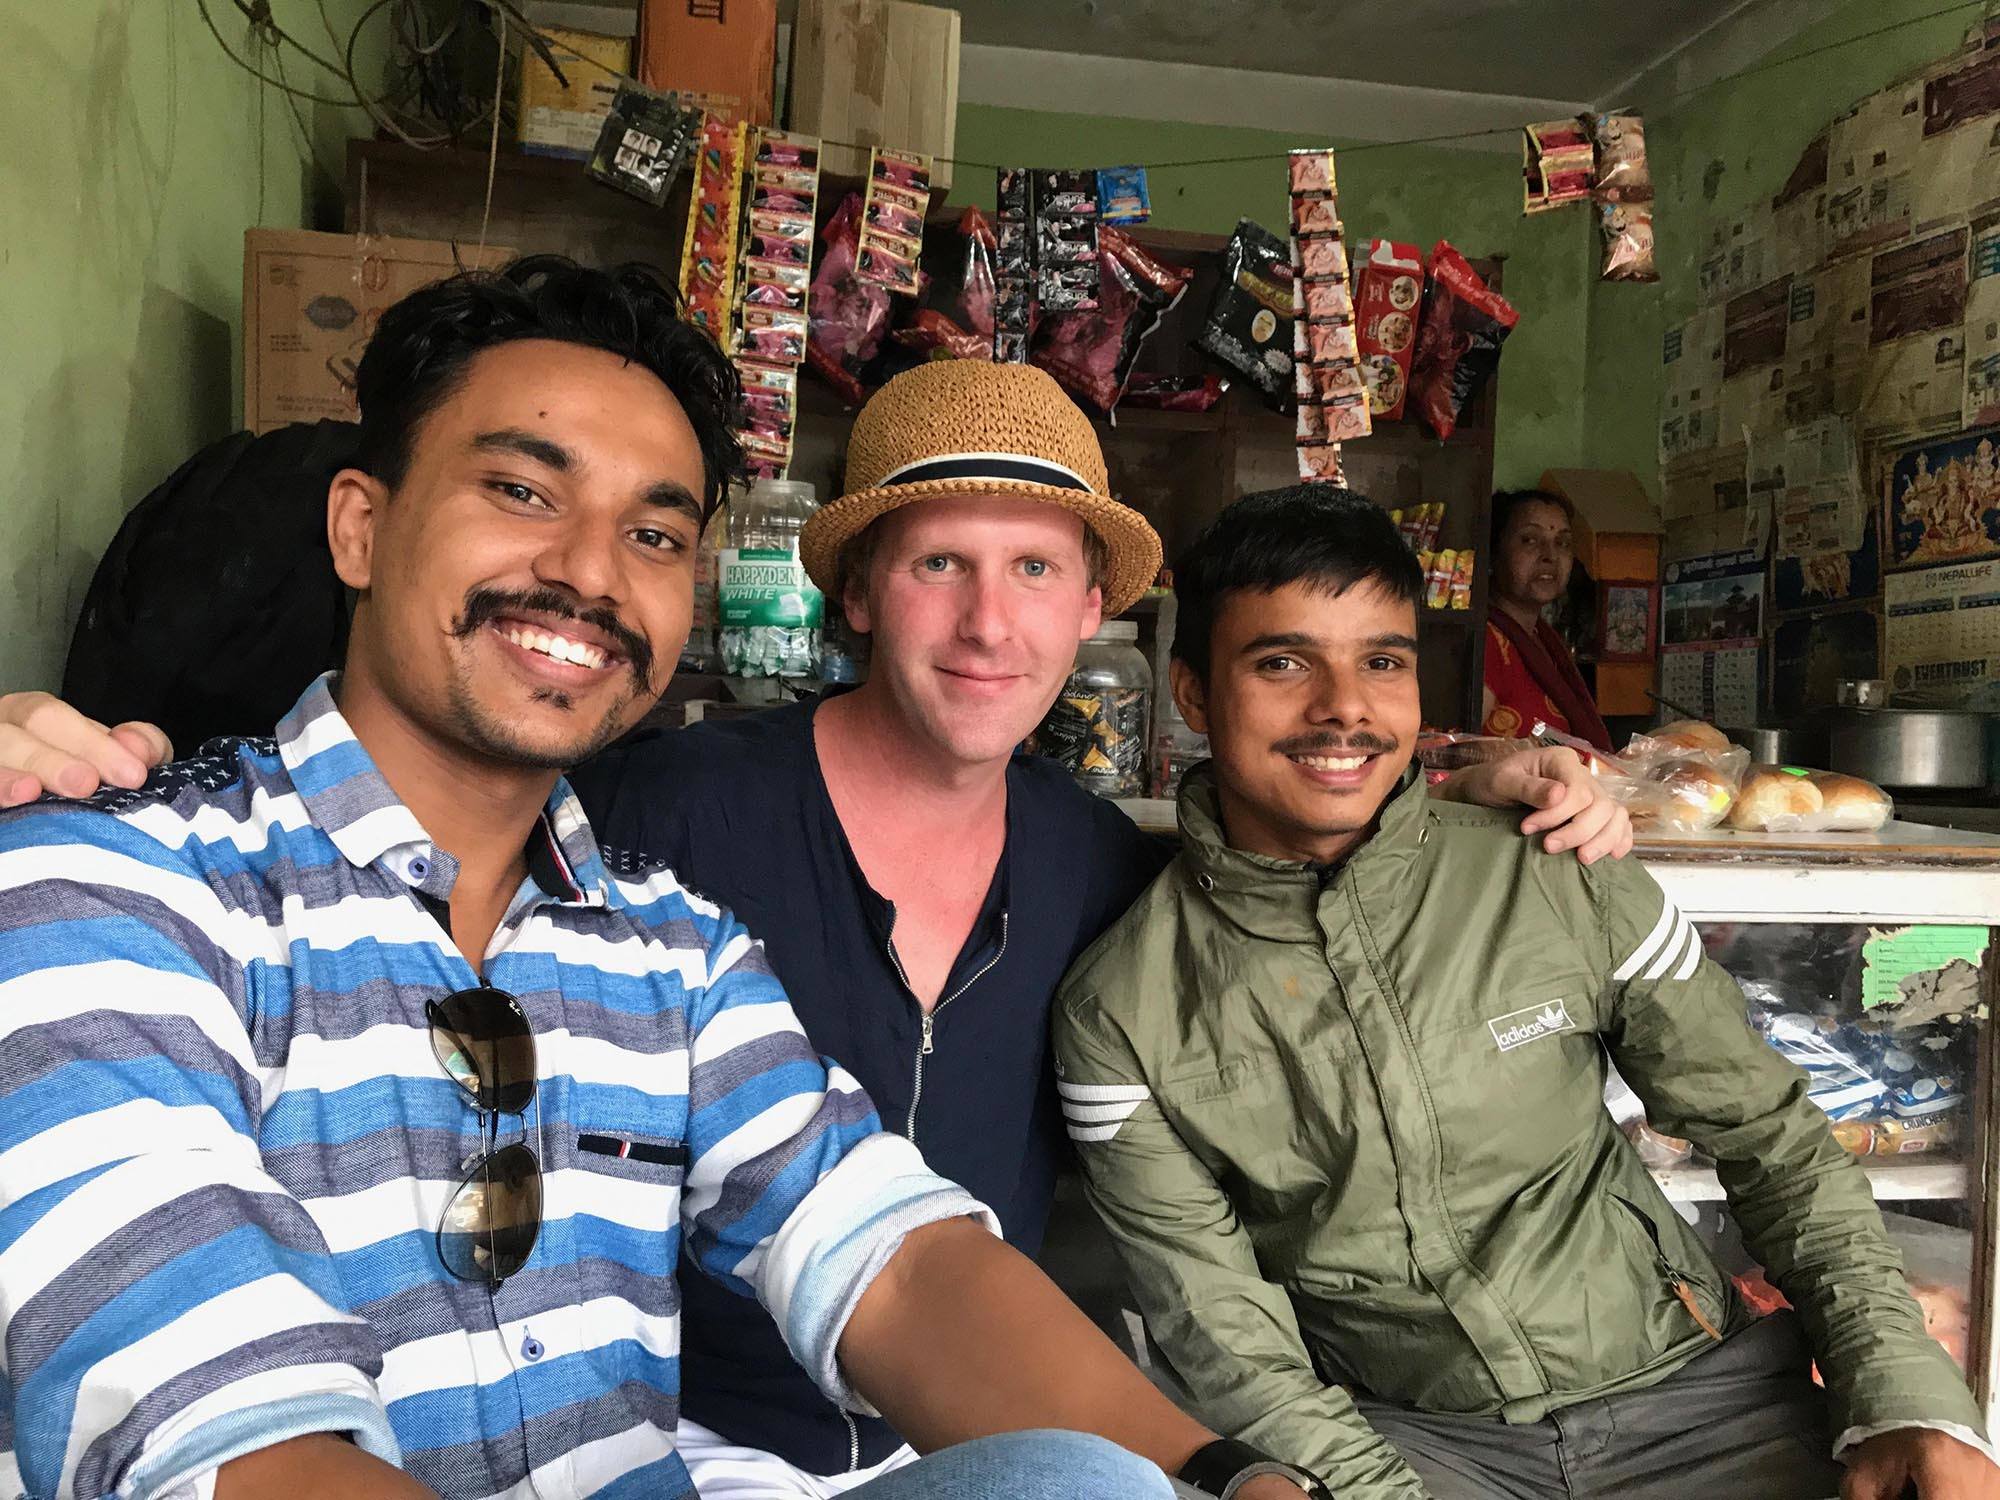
{"type": "Point", "coordinates": [1251, 326]}
{"type": "Point", "coordinates": [1623, 188]}
{"type": "Point", "coordinates": [772, 326]}
{"type": "Point", "coordinates": [892, 219]}
{"type": "Point", "coordinates": [1122, 197]}
{"type": "Point", "coordinates": [1558, 164]}
{"type": "Point", "coordinates": [645, 143]}
{"type": "Point", "coordinates": [712, 244]}
{"type": "Point", "coordinates": [1063, 242]}
{"type": "Point", "coordinates": [1013, 267]}
{"type": "Point", "coordinates": [1328, 379]}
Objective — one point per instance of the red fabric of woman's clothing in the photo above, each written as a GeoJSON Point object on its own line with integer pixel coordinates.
{"type": "Point", "coordinates": [1533, 677]}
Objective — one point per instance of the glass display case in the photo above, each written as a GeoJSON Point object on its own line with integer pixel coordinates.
{"type": "Point", "coordinates": [1868, 959]}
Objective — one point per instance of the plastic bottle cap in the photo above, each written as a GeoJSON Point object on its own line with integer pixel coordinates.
{"type": "Point", "coordinates": [1116, 630]}
{"type": "Point", "coordinates": [781, 489]}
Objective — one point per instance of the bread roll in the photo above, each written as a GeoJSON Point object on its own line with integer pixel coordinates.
{"type": "Point", "coordinates": [1697, 794]}
{"type": "Point", "coordinates": [1849, 804]}
{"type": "Point", "coordinates": [1690, 734]}
{"type": "Point", "coordinates": [1769, 794]}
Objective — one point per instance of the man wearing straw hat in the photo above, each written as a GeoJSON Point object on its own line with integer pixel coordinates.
{"type": "Point", "coordinates": [920, 887]}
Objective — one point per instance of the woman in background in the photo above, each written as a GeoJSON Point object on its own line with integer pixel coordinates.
{"type": "Point", "coordinates": [1530, 673]}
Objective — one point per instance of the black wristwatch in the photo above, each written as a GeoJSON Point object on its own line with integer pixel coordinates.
{"type": "Point", "coordinates": [1225, 1466]}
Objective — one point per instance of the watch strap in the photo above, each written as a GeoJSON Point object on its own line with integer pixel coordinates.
{"type": "Point", "coordinates": [1223, 1467]}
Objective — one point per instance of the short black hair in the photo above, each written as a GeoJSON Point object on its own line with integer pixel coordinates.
{"type": "Point", "coordinates": [1506, 502]}
{"type": "Point", "coordinates": [424, 344]}
{"type": "Point", "coordinates": [1318, 534]}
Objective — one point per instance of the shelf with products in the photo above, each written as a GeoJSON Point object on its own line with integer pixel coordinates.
{"type": "Point", "coordinates": [1177, 468]}
{"type": "Point", "coordinates": [1893, 1181]}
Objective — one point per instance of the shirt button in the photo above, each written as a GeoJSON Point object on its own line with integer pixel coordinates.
{"type": "Point", "coordinates": [420, 869]}
{"type": "Point", "coordinates": [531, 1348]}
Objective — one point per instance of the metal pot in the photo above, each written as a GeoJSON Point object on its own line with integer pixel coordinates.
{"type": "Point", "coordinates": [1784, 745]}
{"type": "Point", "coordinates": [1910, 747]}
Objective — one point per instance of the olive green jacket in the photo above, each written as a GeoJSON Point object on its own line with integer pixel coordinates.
{"type": "Point", "coordinates": [1350, 1129]}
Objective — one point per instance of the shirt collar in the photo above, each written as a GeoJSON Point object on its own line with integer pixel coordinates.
{"type": "Point", "coordinates": [350, 802]}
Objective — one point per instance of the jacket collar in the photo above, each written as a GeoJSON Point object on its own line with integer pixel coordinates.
{"type": "Point", "coordinates": [1277, 898]}
{"type": "Point", "coordinates": [350, 802]}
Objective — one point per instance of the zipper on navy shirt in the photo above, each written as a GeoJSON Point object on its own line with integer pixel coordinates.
{"type": "Point", "coordinates": [927, 1045]}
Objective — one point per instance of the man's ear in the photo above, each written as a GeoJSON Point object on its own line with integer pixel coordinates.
{"type": "Point", "coordinates": [1093, 613]}
{"type": "Point", "coordinates": [353, 505]}
{"type": "Point", "coordinates": [1189, 696]}
{"type": "Point", "coordinates": [854, 602]}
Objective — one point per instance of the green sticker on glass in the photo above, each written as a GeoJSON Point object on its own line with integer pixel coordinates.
{"type": "Point", "coordinates": [1890, 956]}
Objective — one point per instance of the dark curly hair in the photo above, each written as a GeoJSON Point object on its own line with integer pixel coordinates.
{"type": "Point", "coordinates": [424, 344]}
{"type": "Point", "coordinates": [1328, 538]}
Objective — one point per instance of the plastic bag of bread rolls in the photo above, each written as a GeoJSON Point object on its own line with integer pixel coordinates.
{"type": "Point", "coordinates": [1679, 738]}
{"type": "Point", "coordinates": [1789, 799]}
{"type": "Point", "coordinates": [1848, 804]}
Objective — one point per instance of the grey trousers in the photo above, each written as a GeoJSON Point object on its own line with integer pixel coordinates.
{"type": "Point", "coordinates": [1741, 1422]}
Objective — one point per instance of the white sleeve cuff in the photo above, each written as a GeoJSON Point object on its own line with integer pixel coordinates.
{"type": "Point", "coordinates": [233, 1421]}
{"type": "Point", "coordinates": [1857, 1435]}
{"type": "Point", "coordinates": [836, 1242]}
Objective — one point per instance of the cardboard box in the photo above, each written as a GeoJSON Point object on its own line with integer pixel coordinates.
{"type": "Point", "coordinates": [719, 54]}
{"type": "Point", "coordinates": [562, 117]}
{"type": "Point", "coordinates": [876, 73]}
{"type": "Point", "coordinates": [310, 303]}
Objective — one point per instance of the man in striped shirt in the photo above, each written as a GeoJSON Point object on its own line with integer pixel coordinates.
{"type": "Point", "coordinates": [354, 1115]}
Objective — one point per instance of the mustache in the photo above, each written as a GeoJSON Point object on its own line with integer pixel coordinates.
{"type": "Point", "coordinates": [1335, 744]}
{"type": "Point", "coordinates": [484, 605]}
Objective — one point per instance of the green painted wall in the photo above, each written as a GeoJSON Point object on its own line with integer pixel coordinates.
{"type": "Point", "coordinates": [1419, 194]}
{"type": "Point", "coordinates": [1715, 152]}
{"type": "Point", "coordinates": [133, 155]}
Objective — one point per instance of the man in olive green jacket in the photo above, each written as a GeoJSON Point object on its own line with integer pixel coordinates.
{"type": "Point", "coordinates": [1336, 1086]}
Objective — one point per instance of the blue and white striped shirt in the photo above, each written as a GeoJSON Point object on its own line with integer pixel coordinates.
{"type": "Point", "coordinates": [225, 1143]}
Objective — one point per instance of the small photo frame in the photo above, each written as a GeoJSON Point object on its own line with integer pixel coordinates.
{"type": "Point", "coordinates": [1628, 619]}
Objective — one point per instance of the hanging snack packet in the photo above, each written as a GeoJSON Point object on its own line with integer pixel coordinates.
{"type": "Point", "coordinates": [1013, 267]}
{"type": "Point", "coordinates": [1558, 164]}
{"type": "Point", "coordinates": [1621, 175]}
{"type": "Point", "coordinates": [1122, 196]}
{"type": "Point", "coordinates": [1331, 385]}
{"type": "Point", "coordinates": [849, 315]}
{"type": "Point", "coordinates": [1628, 242]}
{"type": "Point", "coordinates": [1249, 325]}
{"type": "Point", "coordinates": [1437, 579]}
{"type": "Point", "coordinates": [1091, 354]}
{"type": "Point", "coordinates": [645, 143]}
{"type": "Point", "coordinates": [1388, 293]}
{"type": "Point", "coordinates": [1063, 243]}
{"type": "Point", "coordinates": [1458, 341]}
{"type": "Point", "coordinates": [965, 331]}
{"type": "Point", "coordinates": [892, 219]}
{"type": "Point", "coordinates": [710, 249]}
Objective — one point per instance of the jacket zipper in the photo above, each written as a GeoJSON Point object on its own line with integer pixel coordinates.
{"type": "Point", "coordinates": [926, 1046]}
{"type": "Point", "coordinates": [1678, 1284]}
{"type": "Point", "coordinates": [853, 1440]}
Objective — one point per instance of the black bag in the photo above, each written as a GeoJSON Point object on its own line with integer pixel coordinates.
{"type": "Point", "coordinates": [216, 603]}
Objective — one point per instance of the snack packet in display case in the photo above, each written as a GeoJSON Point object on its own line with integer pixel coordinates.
{"type": "Point", "coordinates": [1461, 579]}
{"type": "Point", "coordinates": [1458, 341]}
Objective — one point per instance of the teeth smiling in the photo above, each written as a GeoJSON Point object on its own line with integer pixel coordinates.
{"type": "Point", "coordinates": [1332, 762]}
{"type": "Point", "coordinates": [555, 647]}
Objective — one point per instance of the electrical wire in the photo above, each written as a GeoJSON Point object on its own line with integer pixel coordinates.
{"type": "Point", "coordinates": [258, 13]}
{"type": "Point", "coordinates": [493, 147]}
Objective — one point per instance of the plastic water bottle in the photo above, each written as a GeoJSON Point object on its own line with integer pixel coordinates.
{"type": "Point", "coordinates": [699, 654]}
{"type": "Point", "coordinates": [768, 611]}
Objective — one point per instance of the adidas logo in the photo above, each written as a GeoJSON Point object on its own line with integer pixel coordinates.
{"type": "Point", "coordinates": [1517, 1028]}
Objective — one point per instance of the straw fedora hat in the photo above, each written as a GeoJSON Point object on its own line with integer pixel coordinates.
{"type": "Point", "coordinates": [970, 427]}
